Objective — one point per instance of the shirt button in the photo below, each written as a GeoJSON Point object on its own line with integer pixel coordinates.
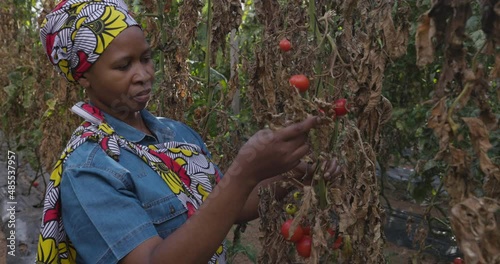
{"type": "Point", "coordinates": [172, 209]}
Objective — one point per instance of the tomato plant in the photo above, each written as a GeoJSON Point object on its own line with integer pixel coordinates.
{"type": "Point", "coordinates": [340, 107]}
{"type": "Point", "coordinates": [291, 209]}
{"type": "Point", "coordinates": [303, 247]}
{"type": "Point", "coordinates": [300, 81]}
{"type": "Point", "coordinates": [298, 233]}
{"type": "Point", "coordinates": [285, 45]}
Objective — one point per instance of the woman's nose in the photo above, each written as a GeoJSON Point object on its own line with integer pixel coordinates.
{"type": "Point", "coordinates": [142, 74]}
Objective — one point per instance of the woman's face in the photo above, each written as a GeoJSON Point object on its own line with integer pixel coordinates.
{"type": "Point", "coordinates": [120, 81]}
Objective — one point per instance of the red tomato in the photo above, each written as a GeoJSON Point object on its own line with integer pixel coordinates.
{"type": "Point", "coordinates": [35, 184]}
{"type": "Point", "coordinates": [303, 247]}
{"type": "Point", "coordinates": [300, 81]}
{"type": "Point", "coordinates": [307, 230]}
{"type": "Point", "coordinates": [340, 107]}
{"type": "Point", "coordinates": [285, 45]}
{"type": "Point", "coordinates": [337, 243]}
{"type": "Point", "coordinates": [331, 231]}
{"type": "Point", "coordinates": [458, 261]}
{"type": "Point", "coordinates": [285, 231]}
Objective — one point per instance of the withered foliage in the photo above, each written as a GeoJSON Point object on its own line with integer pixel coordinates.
{"type": "Point", "coordinates": [344, 56]}
{"type": "Point", "coordinates": [175, 94]}
{"type": "Point", "coordinates": [227, 15]}
{"type": "Point", "coordinates": [37, 102]}
{"type": "Point", "coordinates": [463, 81]}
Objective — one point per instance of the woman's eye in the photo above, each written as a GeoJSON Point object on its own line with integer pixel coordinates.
{"type": "Point", "coordinates": [122, 66]}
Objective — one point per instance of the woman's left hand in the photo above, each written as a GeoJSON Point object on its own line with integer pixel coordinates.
{"type": "Point", "coordinates": [305, 171]}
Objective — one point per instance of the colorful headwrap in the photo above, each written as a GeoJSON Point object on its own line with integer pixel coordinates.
{"type": "Point", "coordinates": [77, 32]}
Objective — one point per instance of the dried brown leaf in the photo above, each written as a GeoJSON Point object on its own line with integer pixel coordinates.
{"type": "Point", "coordinates": [480, 141]}
{"type": "Point", "coordinates": [479, 134]}
{"type": "Point", "coordinates": [476, 224]}
{"type": "Point", "coordinates": [423, 40]}
{"type": "Point", "coordinates": [457, 181]}
{"type": "Point", "coordinates": [438, 122]}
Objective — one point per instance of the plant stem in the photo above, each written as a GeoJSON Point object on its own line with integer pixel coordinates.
{"type": "Point", "coordinates": [313, 27]}
{"type": "Point", "coordinates": [333, 139]}
{"type": "Point", "coordinates": [208, 88]}
{"type": "Point", "coordinates": [161, 21]}
{"type": "Point", "coordinates": [208, 49]}
{"type": "Point", "coordinates": [322, 192]}
{"type": "Point", "coordinates": [454, 126]}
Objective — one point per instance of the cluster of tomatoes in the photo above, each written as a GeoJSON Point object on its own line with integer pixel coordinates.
{"type": "Point", "coordinates": [301, 82]}
{"type": "Point", "coordinates": [301, 235]}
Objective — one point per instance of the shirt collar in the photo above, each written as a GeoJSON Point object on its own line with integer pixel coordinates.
{"type": "Point", "coordinates": [132, 134]}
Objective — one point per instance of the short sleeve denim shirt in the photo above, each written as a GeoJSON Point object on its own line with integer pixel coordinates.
{"type": "Point", "coordinates": [110, 207]}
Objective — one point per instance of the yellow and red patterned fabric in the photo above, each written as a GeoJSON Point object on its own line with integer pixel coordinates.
{"type": "Point", "coordinates": [181, 165]}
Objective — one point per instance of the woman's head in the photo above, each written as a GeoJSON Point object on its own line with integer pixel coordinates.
{"type": "Point", "coordinates": [77, 32]}
{"type": "Point", "coordinates": [99, 45]}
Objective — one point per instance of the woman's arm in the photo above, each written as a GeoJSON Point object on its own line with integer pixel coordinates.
{"type": "Point", "coordinates": [265, 155]}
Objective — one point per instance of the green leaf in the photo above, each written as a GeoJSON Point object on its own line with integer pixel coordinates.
{"type": "Point", "coordinates": [15, 78]}
{"type": "Point", "coordinates": [11, 90]}
{"type": "Point", "coordinates": [429, 165]}
{"type": "Point", "coordinates": [51, 103]}
{"type": "Point", "coordinates": [29, 92]}
{"type": "Point", "coordinates": [47, 96]}
{"type": "Point", "coordinates": [420, 191]}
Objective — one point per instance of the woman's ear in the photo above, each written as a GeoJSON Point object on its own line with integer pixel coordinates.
{"type": "Point", "coordinates": [84, 82]}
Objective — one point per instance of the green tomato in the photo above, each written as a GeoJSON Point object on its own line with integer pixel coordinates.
{"type": "Point", "coordinates": [297, 195]}
{"type": "Point", "coordinates": [291, 209]}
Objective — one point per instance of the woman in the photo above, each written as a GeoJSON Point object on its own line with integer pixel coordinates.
{"type": "Point", "coordinates": [131, 187]}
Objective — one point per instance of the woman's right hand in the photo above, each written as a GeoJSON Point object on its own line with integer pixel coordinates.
{"type": "Point", "coordinates": [269, 153]}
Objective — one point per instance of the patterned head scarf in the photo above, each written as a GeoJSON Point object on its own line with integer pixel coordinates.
{"type": "Point", "coordinates": [77, 32]}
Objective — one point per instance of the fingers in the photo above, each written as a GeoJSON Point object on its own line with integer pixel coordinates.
{"type": "Point", "coordinates": [299, 129]}
{"type": "Point", "coordinates": [333, 168]}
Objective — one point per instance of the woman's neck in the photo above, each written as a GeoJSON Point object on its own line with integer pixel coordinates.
{"type": "Point", "coordinates": [131, 118]}
{"type": "Point", "coordinates": [135, 120]}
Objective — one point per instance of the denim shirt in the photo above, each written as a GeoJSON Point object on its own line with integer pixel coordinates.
{"type": "Point", "coordinates": [110, 207]}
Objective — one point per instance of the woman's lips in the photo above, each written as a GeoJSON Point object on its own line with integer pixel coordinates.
{"type": "Point", "coordinates": [143, 97]}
